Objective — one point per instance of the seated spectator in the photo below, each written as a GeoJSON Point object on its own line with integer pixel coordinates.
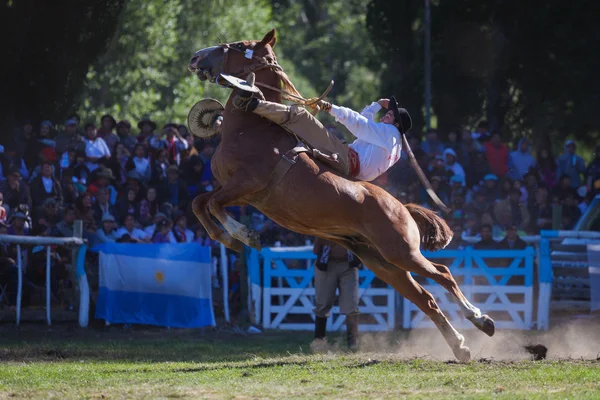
{"type": "Point", "coordinates": [479, 204]}
{"type": "Point", "coordinates": [69, 138]}
{"type": "Point", "coordinates": [541, 211]}
{"type": "Point", "coordinates": [512, 241]}
{"type": "Point", "coordinates": [173, 190]}
{"type": "Point", "coordinates": [69, 190]}
{"type": "Point", "coordinates": [490, 190]}
{"type": "Point", "coordinates": [438, 168]}
{"type": "Point", "coordinates": [193, 175]}
{"type": "Point", "coordinates": [65, 227]}
{"type": "Point", "coordinates": [487, 242]}
{"type": "Point", "coordinates": [10, 159]}
{"type": "Point", "coordinates": [517, 210]}
{"type": "Point", "coordinates": [432, 145]}
{"type": "Point", "coordinates": [118, 163]}
{"type": "Point", "coordinates": [152, 201]}
{"type": "Point", "coordinates": [520, 161]}
{"type": "Point", "coordinates": [96, 150]}
{"type": "Point", "coordinates": [108, 229]}
{"type": "Point", "coordinates": [482, 133]}
{"type": "Point", "coordinates": [134, 234]}
{"type": "Point", "coordinates": [471, 226]}
{"type": "Point", "coordinates": [45, 186]}
{"type": "Point", "coordinates": [161, 234]}
{"type": "Point", "coordinates": [101, 180]}
{"type": "Point", "coordinates": [140, 163]}
{"type": "Point", "coordinates": [81, 173]}
{"type": "Point", "coordinates": [149, 230]}
{"type": "Point", "coordinates": [17, 226]}
{"type": "Point", "coordinates": [15, 190]}
{"type": "Point", "coordinates": [128, 205]}
{"type": "Point", "coordinates": [106, 132]}
{"type": "Point", "coordinates": [452, 165]}
{"type": "Point", "coordinates": [201, 236]}
{"type": "Point", "coordinates": [457, 242]}
{"type": "Point", "coordinates": [135, 183]}
{"type": "Point", "coordinates": [452, 142]}
{"type": "Point", "coordinates": [145, 217]}
{"type": "Point", "coordinates": [546, 167]}
{"type": "Point", "coordinates": [488, 219]}
{"type": "Point", "coordinates": [159, 167]}
{"type": "Point", "coordinates": [101, 206]}
{"type": "Point", "coordinates": [180, 231]}
{"type": "Point", "coordinates": [85, 213]}
{"type": "Point", "coordinates": [564, 188]}
{"type": "Point", "coordinates": [496, 153]}
{"type": "Point", "coordinates": [570, 164]}
{"type": "Point", "coordinates": [49, 212]}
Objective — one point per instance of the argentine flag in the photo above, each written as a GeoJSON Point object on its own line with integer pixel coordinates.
{"type": "Point", "coordinates": [155, 284]}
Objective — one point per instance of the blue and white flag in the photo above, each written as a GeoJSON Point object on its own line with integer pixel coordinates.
{"type": "Point", "coordinates": [155, 284]}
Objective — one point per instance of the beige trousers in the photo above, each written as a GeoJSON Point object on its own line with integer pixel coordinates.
{"type": "Point", "coordinates": [298, 120]}
{"type": "Point", "coordinates": [339, 275]}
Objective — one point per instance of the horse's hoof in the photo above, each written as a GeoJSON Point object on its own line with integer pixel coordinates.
{"type": "Point", "coordinates": [488, 327]}
{"type": "Point", "coordinates": [462, 354]}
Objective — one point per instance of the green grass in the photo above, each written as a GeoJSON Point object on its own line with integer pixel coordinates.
{"type": "Point", "coordinates": [186, 364]}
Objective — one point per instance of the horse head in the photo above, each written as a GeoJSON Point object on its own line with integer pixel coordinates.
{"type": "Point", "coordinates": [236, 58]}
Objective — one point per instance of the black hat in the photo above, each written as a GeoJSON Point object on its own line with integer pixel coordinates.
{"type": "Point", "coordinates": [401, 116]}
{"type": "Point", "coordinates": [147, 120]}
{"type": "Point", "coordinates": [112, 120]}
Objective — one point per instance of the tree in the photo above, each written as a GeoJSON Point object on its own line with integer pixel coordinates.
{"type": "Point", "coordinates": [47, 48]}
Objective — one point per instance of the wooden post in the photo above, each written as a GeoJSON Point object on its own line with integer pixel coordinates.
{"type": "Point", "coordinates": [78, 233]}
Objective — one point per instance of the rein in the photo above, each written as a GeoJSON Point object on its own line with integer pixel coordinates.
{"type": "Point", "coordinates": [264, 63]}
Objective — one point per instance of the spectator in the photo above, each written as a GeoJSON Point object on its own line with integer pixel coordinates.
{"type": "Point", "coordinates": [479, 170]}
{"type": "Point", "coordinates": [101, 180]}
{"type": "Point", "coordinates": [512, 241]}
{"type": "Point", "coordinates": [520, 161]}
{"type": "Point", "coordinates": [145, 216]}
{"type": "Point", "coordinates": [452, 142]}
{"type": "Point", "coordinates": [488, 219]}
{"type": "Point", "coordinates": [541, 212]}
{"type": "Point", "coordinates": [69, 190]}
{"type": "Point", "coordinates": [96, 150]}
{"type": "Point", "coordinates": [101, 206]}
{"type": "Point", "coordinates": [471, 226]}
{"type": "Point", "coordinates": [487, 242]}
{"type": "Point", "coordinates": [119, 162]}
{"type": "Point", "coordinates": [17, 226]}
{"type": "Point", "coordinates": [438, 168]}
{"type": "Point", "coordinates": [457, 243]}
{"type": "Point", "coordinates": [570, 164]}
{"type": "Point", "coordinates": [79, 168]}
{"type": "Point", "coordinates": [2, 209]}
{"type": "Point", "coordinates": [45, 186]}
{"type": "Point", "coordinates": [49, 213]}
{"type": "Point", "coordinates": [159, 167]}
{"type": "Point", "coordinates": [490, 189]}
{"type": "Point", "coordinates": [140, 163]}
{"type": "Point", "coordinates": [208, 150]}
{"type": "Point", "coordinates": [173, 190]}
{"type": "Point", "coordinates": [592, 173]}
{"type": "Point", "coordinates": [128, 205]}
{"type": "Point", "coordinates": [468, 147]}
{"type": "Point", "coordinates": [564, 188]}
{"type": "Point", "coordinates": [125, 137]}
{"type": "Point", "coordinates": [452, 165]}
{"type": "Point", "coordinates": [85, 212]}
{"type": "Point", "coordinates": [175, 144]}
{"type": "Point", "coordinates": [482, 133]}
{"type": "Point", "coordinates": [193, 175]}
{"type": "Point", "coordinates": [106, 132]}
{"type": "Point", "coordinates": [10, 159]}
{"type": "Point", "coordinates": [570, 211]}
{"type": "Point", "coordinates": [149, 230]}
{"type": "Point", "coordinates": [134, 182]}
{"type": "Point", "coordinates": [497, 155]}
{"type": "Point", "coordinates": [69, 138]}
{"type": "Point", "coordinates": [180, 231]}
{"type": "Point", "coordinates": [432, 145]}
{"type": "Point", "coordinates": [152, 201]}
{"type": "Point", "coordinates": [14, 190]}
{"type": "Point", "coordinates": [146, 127]}
{"type": "Point", "coordinates": [134, 234]}
{"type": "Point", "coordinates": [161, 234]}
{"type": "Point", "coordinates": [518, 211]}
{"type": "Point", "coordinates": [108, 229]}
{"type": "Point", "coordinates": [546, 167]}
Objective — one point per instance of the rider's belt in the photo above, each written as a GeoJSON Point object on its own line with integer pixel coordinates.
{"type": "Point", "coordinates": [353, 163]}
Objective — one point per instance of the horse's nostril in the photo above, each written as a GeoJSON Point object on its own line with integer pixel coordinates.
{"type": "Point", "coordinates": [193, 60]}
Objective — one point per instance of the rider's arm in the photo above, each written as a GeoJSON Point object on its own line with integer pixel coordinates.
{"type": "Point", "coordinates": [379, 134]}
{"type": "Point", "coordinates": [369, 111]}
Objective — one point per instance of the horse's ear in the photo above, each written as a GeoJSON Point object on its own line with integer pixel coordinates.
{"type": "Point", "coordinates": [269, 39]}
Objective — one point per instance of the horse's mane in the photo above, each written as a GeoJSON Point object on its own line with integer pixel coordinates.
{"type": "Point", "coordinates": [288, 86]}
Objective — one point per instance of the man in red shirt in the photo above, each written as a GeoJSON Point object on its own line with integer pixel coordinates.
{"type": "Point", "coordinates": [497, 155]}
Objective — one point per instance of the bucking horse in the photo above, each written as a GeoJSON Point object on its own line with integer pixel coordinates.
{"type": "Point", "coordinates": [254, 164]}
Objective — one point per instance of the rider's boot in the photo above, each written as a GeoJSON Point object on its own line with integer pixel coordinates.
{"type": "Point", "coordinates": [352, 331]}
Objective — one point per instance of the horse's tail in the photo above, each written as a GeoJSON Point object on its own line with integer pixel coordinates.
{"type": "Point", "coordinates": [435, 232]}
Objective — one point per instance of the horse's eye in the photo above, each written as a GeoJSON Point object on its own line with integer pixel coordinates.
{"type": "Point", "coordinates": [240, 46]}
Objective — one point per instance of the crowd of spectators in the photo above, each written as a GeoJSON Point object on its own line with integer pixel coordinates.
{"type": "Point", "coordinates": [138, 187]}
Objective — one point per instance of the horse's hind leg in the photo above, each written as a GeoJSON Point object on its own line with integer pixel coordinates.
{"type": "Point", "coordinates": [404, 283]}
{"type": "Point", "coordinates": [230, 194]}
{"type": "Point", "coordinates": [213, 230]}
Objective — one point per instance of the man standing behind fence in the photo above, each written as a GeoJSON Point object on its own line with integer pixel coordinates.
{"type": "Point", "coordinates": [335, 268]}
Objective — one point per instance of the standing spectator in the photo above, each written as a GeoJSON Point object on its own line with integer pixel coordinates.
{"type": "Point", "coordinates": [520, 161]}
{"type": "Point", "coordinates": [175, 144]}
{"type": "Point", "coordinates": [140, 163]}
{"type": "Point", "coordinates": [336, 268]}
{"type": "Point", "coordinates": [173, 190]}
{"type": "Point", "coordinates": [96, 150]}
{"type": "Point", "coordinates": [128, 228]}
{"type": "Point", "coordinates": [69, 138]}
{"type": "Point", "coordinates": [208, 150]}
{"type": "Point", "coordinates": [497, 155]}
{"type": "Point", "coordinates": [101, 206]}
{"type": "Point", "coordinates": [482, 133]}
{"type": "Point", "coordinates": [592, 173]}
{"type": "Point", "coordinates": [102, 178]}
{"type": "Point", "coordinates": [487, 242]}
{"type": "Point", "coordinates": [518, 211]}
{"type": "Point", "coordinates": [45, 186]}
{"type": "Point", "coordinates": [15, 191]}
{"type": "Point", "coordinates": [180, 231]}
{"type": "Point", "coordinates": [119, 162]}
{"type": "Point", "coordinates": [159, 167]}
{"type": "Point", "coordinates": [432, 145]}
{"type": "Point", "coordinates": [570, 164]}
{"type": "Point", "coordinates": [128, 205]}
{"type": "Point", "coordinates": [146, 127]}
{"type": "Point", "coordinates": [452, 165]}
{"type": "Point", "coordinates": [512, 241]}
{"type": "Point", "coordinates": [161, 234]}
{"type": "Point", "coordinates": [106, 132]}
{"type": "Point", "coordinates": [546, 167]}
{"type": "Point", "coordinates": [125, 136]}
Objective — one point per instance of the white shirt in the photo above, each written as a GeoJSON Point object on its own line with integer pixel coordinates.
{"type": "Point", "coordinates": [95, 148]}
{"type": "Point", "coordinates": [136, 234]}
{"type": "Point", "coordinates": [378, 145]}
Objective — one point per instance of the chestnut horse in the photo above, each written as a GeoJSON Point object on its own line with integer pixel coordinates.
{"type": "Point", "coordinates": [312, 199]}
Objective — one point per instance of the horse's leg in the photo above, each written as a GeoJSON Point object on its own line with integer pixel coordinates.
{"type": "Point", "coordinates": [236, 188]}
{"type": "Point", "coordinates": [404, 284]}
{"type": "Point", "coordinates": [213, 230]}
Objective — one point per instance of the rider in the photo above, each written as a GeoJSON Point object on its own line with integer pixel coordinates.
{"type": "Point", "coordinates": [378, 144]}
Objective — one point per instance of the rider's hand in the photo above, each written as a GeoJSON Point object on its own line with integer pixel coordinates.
{"type": "Point", "coordinates": [384, 103]}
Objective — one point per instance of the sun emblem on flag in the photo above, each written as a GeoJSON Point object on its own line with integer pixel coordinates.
{"type": "Point", "coordinates": [159, 276]}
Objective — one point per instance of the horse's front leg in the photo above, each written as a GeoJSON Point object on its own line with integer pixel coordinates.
{"type": "Point", "coordinates": [213, 230]}
{"type": "Point", "coordinates": [241, 184]}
